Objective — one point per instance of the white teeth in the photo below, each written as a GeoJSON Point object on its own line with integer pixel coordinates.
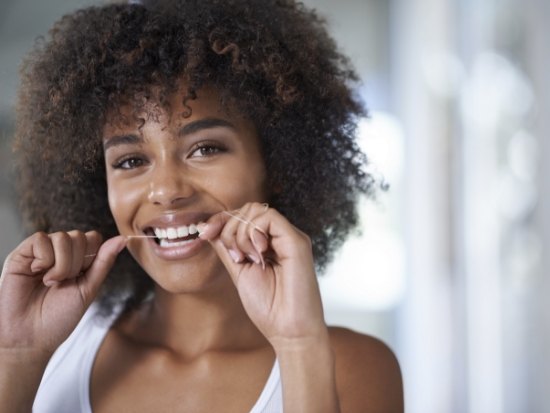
{"type": "Point", "coordinates": [172, 233]}
{"type": "Point", "coordinates": [160, 233]}
{"type": "Point", "coordinates": [166, 243]}
{"type": "Point", "coordinates": [183, 232]}
{"type": "Point", "coordinates": [175, 232]}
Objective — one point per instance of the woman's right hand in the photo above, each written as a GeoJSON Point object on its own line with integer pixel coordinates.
{"type": "Point", "coordinates": [47, 284]}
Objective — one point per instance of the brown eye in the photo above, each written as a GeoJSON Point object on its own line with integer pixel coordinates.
{"type": "Point", "coordinates": [129, 163]}
{"type": "Point", "coordinates": [207, 149]}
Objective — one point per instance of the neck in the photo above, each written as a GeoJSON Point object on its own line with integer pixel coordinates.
{"type": "Point", "coordinates": [192, 324]}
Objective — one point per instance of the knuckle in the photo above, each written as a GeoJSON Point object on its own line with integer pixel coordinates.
{"type": "Point", "coordinates": [78, 238]}
{"type": "Point", "coordinates": [39, 241]}
{"type": "Point", "coordinates": [93, 235]}
{"type": "Point", "coordinates": [76, 234]}
{"type": "Point", "coordinates": [244, 209]}
{"type": "Point", "coordinates": [60, 237]}
{"type": "Point", "coordinates": [39, 238]}
{"type": "Point", "coordinates": [39, 235]}
{"type": "Point", "coordinates": [93, 239]}
{"type": "Point", "coordinates": [261, 207]}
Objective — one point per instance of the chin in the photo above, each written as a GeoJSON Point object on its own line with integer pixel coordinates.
{"type": "Point", "coordinates": [193, 276]}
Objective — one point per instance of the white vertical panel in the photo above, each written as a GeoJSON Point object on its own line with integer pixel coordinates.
{"type": "Point", "coordinates": [421, 31]}
{"type": "Point", "coordinates": [538, 341]}
{"type": "Point", "coordinates": [481, 244]}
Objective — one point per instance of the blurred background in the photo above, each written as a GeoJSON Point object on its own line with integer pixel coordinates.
{"type": "Point", "coordinates": [450, 268]}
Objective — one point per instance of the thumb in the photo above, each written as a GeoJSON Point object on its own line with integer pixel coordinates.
{"type": "Point", "coordinates": [233, 268]}
{"type": "Point", "coordinates": [210, 232]}
{"type": "Point", "coordinates": [103, 262]}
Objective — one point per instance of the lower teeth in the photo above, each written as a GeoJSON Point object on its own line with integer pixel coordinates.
{"type": "Point", "coordinates": [174, 243]}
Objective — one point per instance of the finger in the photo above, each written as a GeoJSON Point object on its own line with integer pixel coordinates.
{"type": "Point", "coordinates": [32, 256]}
{"type": "Point", "coordinates": [234, 267]}
{"type": "Point", "coordinates": [228, 237]}
{"type": "Point", "coordinates": [40, 249]}
{"type": "Point", "coordinates": [93, 242]}
{"type": "Point", "coordinates": [239, 233]}
{"type": "Point", "coordinates": [245, 231]}
{"type": "Point", "coordinates": [78, 249]}
{"type": "Point", "coordinates": [63, 250]}
{"type": "Point", "coordinates": [212, 230]}
{"type": "Point", "coordinates": [103, 262]}
{"type": "Point", "coordinates": [274, 233]}
{"type": "Point", "coordinates": [259, 236]}
{"type": "Point", "coordinates": [259, 240]}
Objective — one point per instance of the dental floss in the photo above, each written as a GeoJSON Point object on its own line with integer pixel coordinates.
{"type": "Point", "coordinates": [237, 217]}
{"type": "Point", "coordinates": [127, 237]}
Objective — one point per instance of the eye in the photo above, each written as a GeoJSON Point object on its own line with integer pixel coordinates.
{"type": "Point", "coordinates": [204, 149]}
{"type": "Point", "coordinates": [130, 162]}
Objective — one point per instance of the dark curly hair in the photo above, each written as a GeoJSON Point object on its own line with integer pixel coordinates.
{"type": "Point", "coordinates": [272, 59]}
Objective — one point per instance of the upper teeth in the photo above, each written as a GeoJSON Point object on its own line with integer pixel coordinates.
{"type": "Point", "coordinates": [176, 232]}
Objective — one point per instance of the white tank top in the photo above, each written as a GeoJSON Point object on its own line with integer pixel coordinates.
{"type": "Point", "coordinates": [65, 384]}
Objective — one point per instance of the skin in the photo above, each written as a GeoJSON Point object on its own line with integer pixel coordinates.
{"type": "Point", "coordinates": [245, 293]}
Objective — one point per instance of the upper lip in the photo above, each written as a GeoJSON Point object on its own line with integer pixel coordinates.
{"type": "Point", "coordinates": [176, 219]}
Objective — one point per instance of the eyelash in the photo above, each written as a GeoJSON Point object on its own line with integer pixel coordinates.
{"type": "Point", "coordinates": [213, 149]}
{"type": "Point", "coordinates": [132, 158]}
{"type": "Point", "coordinates": [129, 162]}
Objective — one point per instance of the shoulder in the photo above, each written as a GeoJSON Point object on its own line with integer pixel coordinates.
{"type": "Point", "coordinates": [368, 375]}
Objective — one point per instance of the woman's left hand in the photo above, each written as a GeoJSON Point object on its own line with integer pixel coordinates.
{"type": "Point", "coordinates": [271, 264]}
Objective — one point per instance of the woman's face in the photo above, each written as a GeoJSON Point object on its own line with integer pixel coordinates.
{"type": "Point", "coordinates": [167, 173]}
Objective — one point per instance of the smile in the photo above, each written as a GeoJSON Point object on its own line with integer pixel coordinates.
{"type": "Point", "coordinates": [174, 236]}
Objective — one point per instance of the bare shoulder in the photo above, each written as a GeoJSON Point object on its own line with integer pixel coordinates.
{"type": "Point", "coordinates": [368, 376]}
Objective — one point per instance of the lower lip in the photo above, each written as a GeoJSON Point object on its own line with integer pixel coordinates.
{"type": "Point", "coordinates": [179, 251]}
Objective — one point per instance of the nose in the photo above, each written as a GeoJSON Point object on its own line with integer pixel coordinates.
{"type": "Point", "coordinates": [169, 186]}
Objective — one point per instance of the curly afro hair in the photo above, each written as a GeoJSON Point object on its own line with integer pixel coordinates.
{"type": "Point", "coordinates": [272, 59]}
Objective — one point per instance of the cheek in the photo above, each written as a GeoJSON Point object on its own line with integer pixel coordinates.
{"type": "Point", "coordinates": [245, 183]}
{"type": "Point", "coordinates": [256, 177]}
{"type": "Point", "coordinates": [114, 203]}
{"type": "Point", "coordinates": [121, 202]}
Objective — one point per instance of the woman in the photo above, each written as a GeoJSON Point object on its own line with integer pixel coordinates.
{"type": "Point", "coordinates": [173, 155]}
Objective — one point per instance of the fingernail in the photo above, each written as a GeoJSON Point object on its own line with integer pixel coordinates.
{"type": "Point", "coordinates": [51, 283]}
{"type": "Point", "coordinates": [253, 258]}
{"type": "Point", "coordinates": [37, 266]}
{"type": "Point", "coordinates": [121, 247]}
{"type": "Point", "coordinates": [255, 243]}
{"type": "Point", "coordinates": [201, 227]}
{"type": "Point", "coordinates": [235, 255]}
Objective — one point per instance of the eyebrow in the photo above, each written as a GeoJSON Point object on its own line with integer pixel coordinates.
{"type": "Point", "coordinates": [121, 140]}
{"type": "Point", "coordinates": [191, 127]}
{"type": "Point", "coordinates": [206, 123]}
